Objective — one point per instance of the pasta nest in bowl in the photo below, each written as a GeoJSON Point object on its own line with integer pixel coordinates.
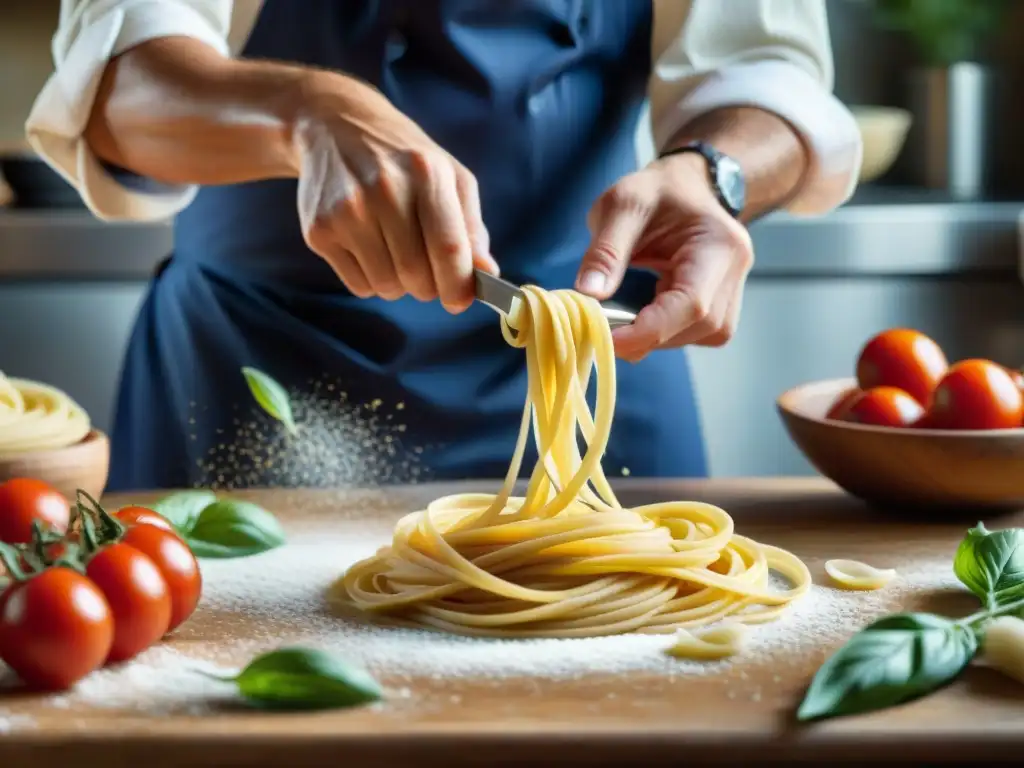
{"type": "Point", "coordinates": [38, 417]}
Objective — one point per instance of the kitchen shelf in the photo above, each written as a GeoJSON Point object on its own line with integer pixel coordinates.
{"type": "Point", "coordinates": [882, 231]}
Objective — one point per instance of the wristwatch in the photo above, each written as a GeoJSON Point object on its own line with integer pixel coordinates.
{"type": "Point", "coordinates": [725, 175]}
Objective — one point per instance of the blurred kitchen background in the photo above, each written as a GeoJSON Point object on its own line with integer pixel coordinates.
{"type": "Point", "coordinates": [932, 244]}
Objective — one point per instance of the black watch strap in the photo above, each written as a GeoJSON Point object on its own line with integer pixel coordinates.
{"type": "Point", "coordinates": [723, 172]}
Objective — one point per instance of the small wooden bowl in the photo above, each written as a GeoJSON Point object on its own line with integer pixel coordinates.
{"type": "Point", "coordinates": [923, 468]}
{"type": "Point", "coordinates": [84, 465]}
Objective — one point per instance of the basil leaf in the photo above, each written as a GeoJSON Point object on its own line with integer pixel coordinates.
{"type": "Point", "coordinates": [271, 397]}
{"type": "Point", "coordinates": [182, 509]}
{"type": "Point", "coordinates": [894, 660]}
{"type": "Point", "coordinates": [233, 528]}
{"type": "Point", "coordinates": [991, 564]}
{"type": "Point", "coordinates": [303, 678]}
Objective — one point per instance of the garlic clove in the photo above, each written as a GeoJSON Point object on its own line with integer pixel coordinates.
{"type": "Point", "coordinates": [1003, 647]}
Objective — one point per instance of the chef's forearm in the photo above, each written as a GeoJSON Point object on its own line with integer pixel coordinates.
{"type": "Point", "coordinates": [770, 152]}
{"type": "Point", "coordinates": [176, 111]}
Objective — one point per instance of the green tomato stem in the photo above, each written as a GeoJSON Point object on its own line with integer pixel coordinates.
{"type": "Point", "coordinates": [111, 528]}
{"type": "Point", "coordinates": [35, 555]}
{"type": "Point", "coordinates": [11, 559]}
{"type": "Point", "coordinates": [90, 538]}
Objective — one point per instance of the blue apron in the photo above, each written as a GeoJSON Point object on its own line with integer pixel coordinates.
{"type": "Point", "coordinates": [540, 100]}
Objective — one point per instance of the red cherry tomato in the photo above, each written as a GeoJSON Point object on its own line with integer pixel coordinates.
{"type": "Point", "coordinates": [841, 407]}
{"type": "Point", "coordinates": [903, 359]}
{"type": "Point", "coordinates": [885, 407]}
{"type": "Point", "coordinates": [925, 422]}
{"type": "Point", "coordinates": [142, 516]}
{"type": "Point", "coordinates": [24, 499]}
{"type": "Point", "coordinates": [176, 563]}
{"type": "Point", "coordinates": [55, 628]}
{"type": "Point", "coordinates": [977, 394]}
{"type": "Point", "coordinates": [139, 598]}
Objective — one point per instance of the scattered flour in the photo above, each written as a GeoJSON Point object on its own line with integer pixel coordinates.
{"type": "Point", "coordinates": [277, 599]}
{"type": "Point", "coordinates": [10, 721]}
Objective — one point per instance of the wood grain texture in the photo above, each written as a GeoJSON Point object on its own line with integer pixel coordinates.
{"type": "Point", "coordinates": [639, 719]}
{"type": "Point", "coordinates": [84, 465]}
{"type": "Point", "coordinates": [926, 468]}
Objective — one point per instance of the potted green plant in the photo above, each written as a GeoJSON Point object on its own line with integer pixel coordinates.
{"type": "Point", "coordinates": [944, 32]}
{"type": "Point", "coordinates": [951, 90]}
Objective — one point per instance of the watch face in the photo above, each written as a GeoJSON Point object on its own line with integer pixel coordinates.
{"type": "Point", "coordinates": [731, 183]}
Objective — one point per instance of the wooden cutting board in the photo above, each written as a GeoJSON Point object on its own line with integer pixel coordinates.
{"type": "Point", "coordinates": [600, 719]}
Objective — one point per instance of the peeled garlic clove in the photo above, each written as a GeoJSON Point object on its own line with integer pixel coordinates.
{"type": "Point", "coordinates": [1003, 646]}
{"type": "Point", "coordinates": [853, 574]}
{"type": "Point", "coordinates": [708, 644]}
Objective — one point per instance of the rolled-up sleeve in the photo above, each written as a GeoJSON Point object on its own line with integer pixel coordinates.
{"type": "Point", "coordinates": [90, 33]}
{"type": "Point", "coordinates": [771, 54]}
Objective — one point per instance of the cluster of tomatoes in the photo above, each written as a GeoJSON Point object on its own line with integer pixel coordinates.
{"type": "Point", "coordinates": [86, 587]}
{"type": "Point", "coordinates": [905, 380]}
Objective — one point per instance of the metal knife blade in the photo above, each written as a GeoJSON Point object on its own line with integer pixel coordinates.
{"type": "Point", "coordinates": [496, 293]}
{"type": "Point", "coordinates": [502, 296]}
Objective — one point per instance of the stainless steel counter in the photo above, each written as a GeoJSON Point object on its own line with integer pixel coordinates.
{"type": "Point", "coordinates": [901, 239]}
{"type": "Point", "coordinates": [73, 245]}
{"type": "Point", "coordinates": [888, 233]}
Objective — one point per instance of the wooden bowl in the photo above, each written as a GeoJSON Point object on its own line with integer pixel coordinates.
{"type": "Point", "coordinates": [84, 465]}
{"type": "Point", "coordinates": [924, 468]}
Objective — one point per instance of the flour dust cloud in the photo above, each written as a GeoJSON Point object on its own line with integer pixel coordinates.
{"type": "Point", "coordinates": [340, 443]}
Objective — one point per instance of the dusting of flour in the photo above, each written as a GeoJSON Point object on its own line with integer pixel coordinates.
{"type": "Point", "coordinates": [277, 598]}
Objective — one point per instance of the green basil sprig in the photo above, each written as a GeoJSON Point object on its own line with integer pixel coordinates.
{"type": "Point", "coordinates": [906, 656]}
{"type": "Point", "coordinates": [991, 564]}
{"type": "Point", "coordinates": [896, 659]}
{"type": "Point", "coordinates": [182, 509]}
{"type": "Point", "coordinates": [303, 678]}
{"type": "Point", "coordinates": [271, 397]}
{"type": "Point", "coordinates": [232, 528]}
{"type": "Point", "coordinates": [221, 528]}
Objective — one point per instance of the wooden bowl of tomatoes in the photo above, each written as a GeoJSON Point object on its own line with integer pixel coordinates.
{"type": "Point", "coordinates": [83, 465]}
{"type": "Point", "coordinates": [911, 430]}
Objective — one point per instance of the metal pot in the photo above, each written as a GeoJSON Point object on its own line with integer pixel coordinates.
{"type": "Point", "coordinates": [950, 141]}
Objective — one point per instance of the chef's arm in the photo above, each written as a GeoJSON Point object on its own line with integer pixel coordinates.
{"type": "Point", "coordinates": [753, 78]}
{"type": "Point", "coordinates": [177, 111]}
{"type": "Point", "coordinates": [145, 103]}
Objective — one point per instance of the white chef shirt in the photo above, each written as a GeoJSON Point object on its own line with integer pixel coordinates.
{"type": "Point", "coordinates": [706, 54]}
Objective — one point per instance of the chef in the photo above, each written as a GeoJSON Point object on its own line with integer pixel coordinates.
{"type": "Point", "coordinates": [338, 168]}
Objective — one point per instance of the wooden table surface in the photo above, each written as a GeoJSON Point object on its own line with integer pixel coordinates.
{"type": "Point", "coordinates": [596, 720]}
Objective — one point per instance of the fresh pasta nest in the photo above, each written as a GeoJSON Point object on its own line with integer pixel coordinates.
{"type": "Point", "coordinates": [38, 417]}
{"type": "Point", "coordinates": [567, 559]}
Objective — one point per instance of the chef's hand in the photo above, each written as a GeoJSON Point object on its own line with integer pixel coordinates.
{"type": "Point", "coordinates": [666, 218]}
{"type": "Point", "coordinates": [386, 207]}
